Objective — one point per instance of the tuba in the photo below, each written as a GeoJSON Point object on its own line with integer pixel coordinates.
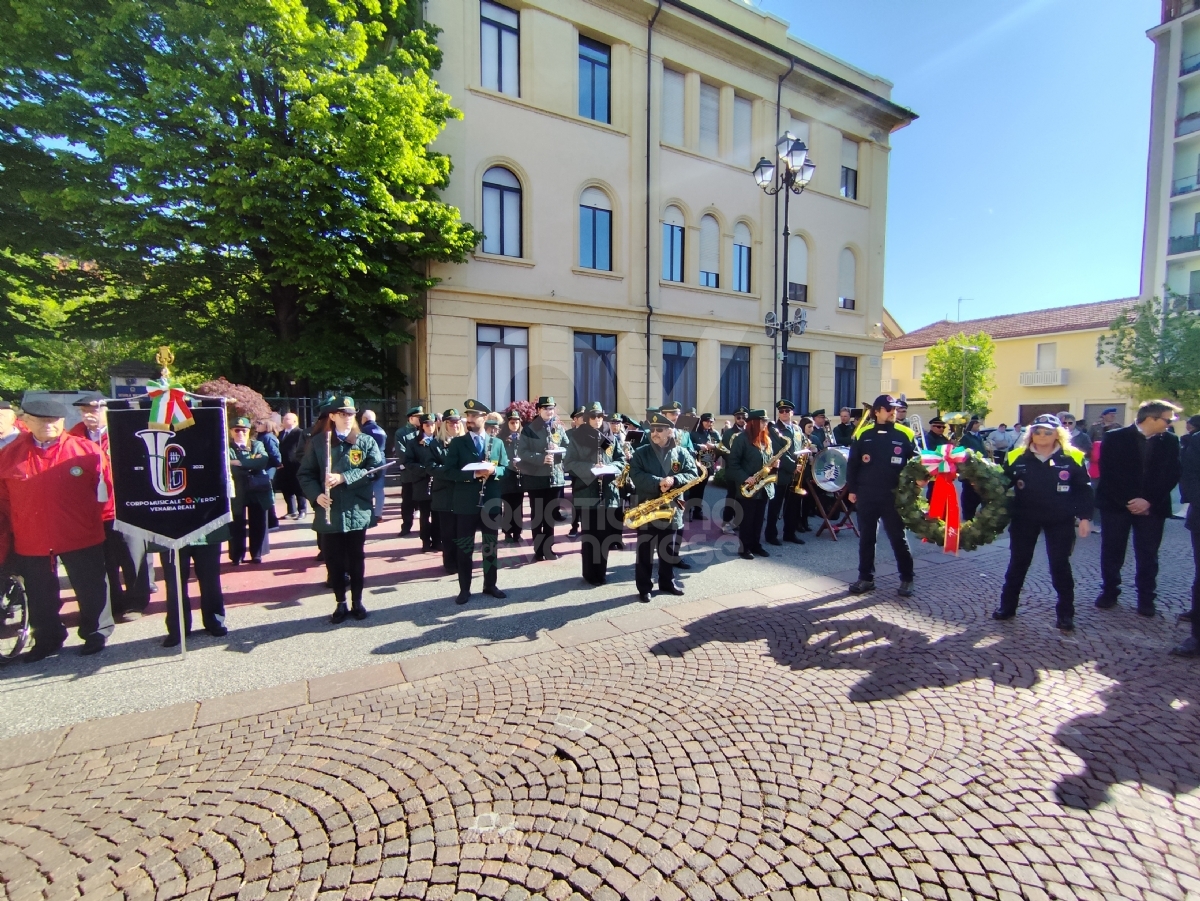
{"type": "Point", "coordinates": [764, 476]}
{"type": "Point", "coordinates": [914, 423]}
{"type": "Point", "coordinates": [661, 507]}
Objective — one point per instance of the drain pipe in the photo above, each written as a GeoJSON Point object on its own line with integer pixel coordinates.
{"type": "Point", "coordinates": [775, 233]}
{"type": "Point", "coordinates": [649, 73]}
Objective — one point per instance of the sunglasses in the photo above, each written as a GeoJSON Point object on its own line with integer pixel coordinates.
{"type": "Point", "coordinates": [937, 426]}
{"type": "Point", "coordinates": [1040, 430]}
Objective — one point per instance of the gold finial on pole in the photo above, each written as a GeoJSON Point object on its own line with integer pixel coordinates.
{"type": "Point", "coordinates": [165, 358]}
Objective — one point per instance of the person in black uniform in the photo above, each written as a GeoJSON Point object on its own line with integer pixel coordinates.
{"type": "Point", "coordinates": [291, 451]}
{"type": "Point", "coordinates": [423, 453]}
{"type": "Point", "coordinates": [705, 440]}
{"type": "Point", "coordinates": [749, 454]}
{"type": "Point", "coordinates": [1189, 489]}
{"type": "Point", "coordinates": [659, 466]}
{"type": "Point", "coordinates": [731, 512]}
{"type": "Point", "coordinates": [936, 436]}
{"type": "Point", "coordinates": [843, 432]}
{"type": "Point", "coordinates": [593, 445]}
{"type": "Point", "coordinates": [542, 445]}
{"type": "Point", "coordinates": [577, 419]}
{"type": "Point", "coordinates": [476, 505]}
{"type": "Point", "coordinates": [511, 495]}
{"type": "Point", "coordinates": [1051, 490]}
{"type": "Point", "coordinates": [407, 432]}
{"type": "Point", "coordinates": [785, 501]}
{"type": "Point", "coordinates": [872, 474]}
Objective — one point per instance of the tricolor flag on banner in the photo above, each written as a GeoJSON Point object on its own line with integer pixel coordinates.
{"type": "Point", "coordinates": [169, 410]}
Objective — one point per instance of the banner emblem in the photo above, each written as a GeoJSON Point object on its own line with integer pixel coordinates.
{"type": "Point", "coordinates": [167, 474]}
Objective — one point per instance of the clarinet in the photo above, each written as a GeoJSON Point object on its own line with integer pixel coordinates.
{"type": "Point", "coordinates": [487, 453]}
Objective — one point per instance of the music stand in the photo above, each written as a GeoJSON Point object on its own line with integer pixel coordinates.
{"type": "Point", "coordinates": [838, 504]}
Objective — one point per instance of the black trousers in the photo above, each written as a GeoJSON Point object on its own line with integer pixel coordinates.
{"type": "Point", "coordinates": [1114, 539]}
{"type": "Point", "coordinates": [729, 511]}
{"type": "Point", "coordinates": [1196, 583]}
{"type": "Point", "coordinates": [789, 504]}
{"type": "Point", "coordinates": [970, 501]}
{"type": "Point", "coordinates": [207, 559]}
{"type": "Point", "coordinates": [542, 504]}
{"type": "Point", "coordinates": [869, 516]}
{"type": "Point", "coordinates": [252, 518]}
{"type": "Point", "coordinates": [1060, 542]}
{"type": "Point", "coordinates": [127, 567]}
{"type": "Point", "coordinates": [694, 500]}
{"type": "Point", "coordinates": [407, 506]}
{"type": "Point", "coordinates": [512, 513]}
{"type": "Point", "coordinates": [465, 526]}
{"type": "Point", "coordinates": [289, 487]}
{"type": "Point", "coordinates": [442, 527]}
{"type": "Point", "coordinates": [754, 511]}
{"type": "Point", "coordinates": [429, 540]}
{"type": "Point", "coordinates": [85, 568]}
{"type": "Point", "coordinates": [655, 541]}
{"type": "Point", "coordinates": [574, 509]}
{"type": "Point", "coordinates": [599, 525]}
{"type": "Point", "coordinates": [345, 555]}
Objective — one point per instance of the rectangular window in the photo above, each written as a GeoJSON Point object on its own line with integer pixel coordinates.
{"type": "Point", "coordinates": [593, 80]}
{"type": "Point", "coordinates": [499, 48]}
{"type": "Point", "coordinates": [501, 364]}
{"type": "Point", "coordinates": [672, 253]}
{"type": "Point", "coordinates": [735, 378]}
{"type": "Point", "coordinates": [679, 372]}
{"type": "Point", "coordinates": [846, 303]}
{"type": "Point", "coordinates": [1047, 356]}
{"type": "Point", "coordinates": [918, 366]}
{"type": "Point", "coordinates": [710, 120]}
{"type": "Point", "coordinates": [798, 293]}
{"type": "Point", "coordinates": [743, 136]}
{"type": "Point", "coordinates": [595, 238]}
{"type": "Point", "coordinates": [795, 380]}
{"type": "Point", "coordinates": [672, 107]}
{"type": "Point", "coordinates": [501, 220]}
{"type": "Point", "coordinates": [710, 252]}
{"type": "Point", "coordinates": [849, 168]}
{"type": "Point", "coordinates": [845, 382]}
{"type": "Point", "coordinates": [741, 268]}
{"type": "Point", "coordinates": [595, 370]}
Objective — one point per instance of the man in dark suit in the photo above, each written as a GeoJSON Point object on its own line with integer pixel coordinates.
{"type": "Point", "coordinates": [291, 450]}
{"type": "Point", "coordinates": [1189, 487]}
{"type": "Point", "coordinates": [1140, 469]}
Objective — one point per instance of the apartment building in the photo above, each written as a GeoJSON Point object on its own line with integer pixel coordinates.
{"type": "Point", "coordinates": [1171, 243]}
{"type": "Point", "coordinates": [606, 152]}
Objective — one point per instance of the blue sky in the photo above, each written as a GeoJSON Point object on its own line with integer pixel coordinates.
{"type": "Point", "coordinates": [1022, 185]}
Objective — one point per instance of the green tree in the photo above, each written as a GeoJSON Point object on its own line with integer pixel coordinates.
{"type": "Point", "coordinates": [1156, 354]}
{"type": "Point", "coordinates": [249, 178]}
{"type": "Point", "coordinates": [949, 362]}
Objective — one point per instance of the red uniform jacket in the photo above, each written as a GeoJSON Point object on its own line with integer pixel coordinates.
{"type": "Point", "coordinates": [48, 498]}
{"type": "Point", "coordinates": [79, 430]}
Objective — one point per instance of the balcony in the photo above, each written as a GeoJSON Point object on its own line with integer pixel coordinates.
{"type": "Point", "coordinates": [1185, 185]}
{"type": "Point", "coordinates": [1183, 244]}
{"type": "Point", "coordinates": [1187, 301]}
{"type": "Point", "coordinates": [1185, 125]}
{"type": "Point", "coordinates": [1037, 378]}
{"type": "Point", "coordinates": [1173, 9]}
{"type": "Point", "coordinates": [1189, 64]}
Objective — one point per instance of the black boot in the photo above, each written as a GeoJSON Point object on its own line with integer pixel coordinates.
{"type": "Point", "coordinates": [358, 611]}
{"type": "Point", "coordinates": [339, 614]}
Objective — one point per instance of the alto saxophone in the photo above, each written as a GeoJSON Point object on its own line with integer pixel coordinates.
{"type": "Point", "coordinates": [661, 507]}
{"type": "Point", "coordinates": [764, 476]}
{"type": "Point", "coordinates": [623, 478]}
{"type": "Point", "coordinates": [801, 463]}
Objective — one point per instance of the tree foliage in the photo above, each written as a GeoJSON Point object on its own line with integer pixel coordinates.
{"type": "Point", "coordinates": [1157, 355]}
{"type": "Point", "coordinates": [249, 180]}
{"type": "Point", "coordinates": [945, 364]}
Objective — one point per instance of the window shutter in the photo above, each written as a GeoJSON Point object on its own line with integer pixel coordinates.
{"type": "Point", "coordinates": [741, 234]}
{"type": "Point", "coordinates": [710, 120]}
{"type": "Point", "coordinates": [846, 273]}
{"type": "Point", "coordinates": [743, 136]}
{"type": "Point", "coordinates": [849, 154]}
{"type": "Point", "coordinates": [673, 216]}
{"type": "Point", "coordinates": [797, 260]}
{"type": "Point", "coordinates": [710, 245]}
{"type": "Point", "coordinates": [672, 107]}
{"type": "Point", "coordinates": [595, 198]}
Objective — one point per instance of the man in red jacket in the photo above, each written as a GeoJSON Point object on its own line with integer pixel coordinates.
{"type": "Point", "coordinates": [53, 492]}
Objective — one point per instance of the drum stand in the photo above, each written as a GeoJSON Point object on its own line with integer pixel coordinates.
{"type": "Point", "coordinates": [837, 505]}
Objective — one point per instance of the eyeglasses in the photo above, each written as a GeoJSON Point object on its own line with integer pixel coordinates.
{"type": "Point", "coordinates": [597, 416]}
{"type": "Point", "coordinates": [1043, 431]}
{"type": "Point", "coordinates": [937, 426]}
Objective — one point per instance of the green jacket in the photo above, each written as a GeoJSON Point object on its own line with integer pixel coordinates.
{"type": "Point", "coordinates": [351, 458]}
{"type": "Point", "coordinates": [253, 459]}
{"type": "Point", "coordinates": [744, 460]}
{"type": "Point", "coordinates": [441, 489]}
{"type": "Point", "coordinates": [467, 490]}
{"type": "Point", "coordinates": [511, 483]}
{"type": "Point", "coordinates": [423, 459]}
{"type": "Point", "coordinates": [588, 489]}
{"type": "Point", "coordinates": [645, 471]}
{"type": "Point", "coordinates": [535, 474]}
{"type": "Point", "coordinates": [404, 438]}
{"type": "Point", "coordinates": [787, 463]}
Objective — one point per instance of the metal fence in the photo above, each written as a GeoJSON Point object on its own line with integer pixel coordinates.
{"type": "Point", "coordinates": [305, 408]}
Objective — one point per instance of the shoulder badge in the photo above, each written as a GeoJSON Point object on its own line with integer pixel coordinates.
{"type": "Point", "coordinates": [866, 458]}
{"type": "Point", "coordinates": [675, 465]}
{"type": "Point", "coordinates": [355, 456]}
{"type": "Point", "coordinates": [77, 471]}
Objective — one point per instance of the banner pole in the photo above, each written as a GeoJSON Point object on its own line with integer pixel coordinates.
{"type": "Point", "coordinates": [178, 564]}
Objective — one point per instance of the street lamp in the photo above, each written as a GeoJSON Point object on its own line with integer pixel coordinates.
{"type": "Point", "coordinates": [791, 174]}
{"type": "Point", "coordinates": [966, 349]}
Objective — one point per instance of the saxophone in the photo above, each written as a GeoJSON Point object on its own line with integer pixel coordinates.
{"type": "Point", "coordinates": [764, 476]}
{"type": "Point", "coordinates": [801, 463]}
{"type": "Point", "coordinates": [623, 478]}
{"type": "Point", "coordinates": [661, 507]}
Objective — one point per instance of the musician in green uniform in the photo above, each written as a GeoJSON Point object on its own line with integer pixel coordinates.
{"type": "Point", "coordinates": [704, 441]}
{"type": "Point", "coordinates": [659, 466]}
{"type": "Point", "coordinates": [595, 494]}
{"type": "Point", "coordinates": [335, 477]}
{"type": "Point", "coordinates": [731, 512]}
{"type": "Point", "coordinates": [751, 452]}
{"type": "Point", "coordinates": [577, 419]}
{"type": "Point", "coordinates": [511, 494]}
{"type": "Point", "coordinates": [423, 453]}
{"type": "Point", "coordinates": [441, 490]}
{"type": "Point", "coordinates": [785, 501]}
{"type": "Point", "coordinates": [410, 431]}
{"type": "Point", "coordinates": [542, 445]}
{"type": "Point", "coordinates": [475, 463]}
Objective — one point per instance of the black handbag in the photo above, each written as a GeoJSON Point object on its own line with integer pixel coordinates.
{"type": "Point", "coordinates": [258, 481]}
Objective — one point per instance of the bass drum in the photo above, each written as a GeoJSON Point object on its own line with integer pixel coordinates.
{"type": "Point", "coordinates": [829, 469]}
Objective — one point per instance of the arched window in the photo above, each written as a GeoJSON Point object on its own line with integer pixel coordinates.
{"type": "Point", "coordinates": [710, 252]}
{"type": "Point", "coordinates": [595, 230]}
{"type": "Point", "coordinates": [672, 252]}
{"type": "Point", "coordinates": [797, 287]}
{"type": "Point", "coordinates": [741, 258]}
{"type": "Point", "coordinates": [501, 212]}
{"type": "Point", "coordinates": [846, 279]}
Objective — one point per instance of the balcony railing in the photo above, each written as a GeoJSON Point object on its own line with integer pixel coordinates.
{"type": "Point", "coordinates": [1185, 125]}
{"type": "Point", "coordinates": [1036, 377]}
{"type": "Point", "coordinates": [1189, 64]}
{"type": "Point", "coordinates": [1183, 244]}
{"type": "Point", "coordinates": [1185, 185]}
{"type": "Point", "coordinates": [1173, 9]}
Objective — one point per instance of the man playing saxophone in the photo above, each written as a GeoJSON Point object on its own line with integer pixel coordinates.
{"type": "Point", "coordinates": [659, 466]}
{"type": "Point", "coordinates": [705, 439]}
{"type": "Point", "coordinates": [750, 454]}
{"type": "Point", "coordinates": [786, 500]}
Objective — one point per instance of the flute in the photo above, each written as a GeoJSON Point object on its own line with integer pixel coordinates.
{"type": "Point", "coordinates": [328, 467]}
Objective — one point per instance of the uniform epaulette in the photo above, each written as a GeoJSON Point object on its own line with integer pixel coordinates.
{"type": "Point", "coordinates": [1075, 454]}
{"type": "Point", "coordinates": [1013, 454]}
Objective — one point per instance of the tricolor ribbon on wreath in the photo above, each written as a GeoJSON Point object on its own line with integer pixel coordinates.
{"type": "Point", "coordinates": [943, 503]}
{"type": "Point", "coordinates": [168, 406]}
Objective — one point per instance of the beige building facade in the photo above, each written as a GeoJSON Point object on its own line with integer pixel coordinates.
{"type": "Point", "coordinates": [629, 256]}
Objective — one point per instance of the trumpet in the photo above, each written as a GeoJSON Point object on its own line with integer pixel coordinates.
{"type": "Point", "coordinates": [660, 508]}
{"type": "Point", "coordinates": [764, 476]}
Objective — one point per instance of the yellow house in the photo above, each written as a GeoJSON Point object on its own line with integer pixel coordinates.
{"type": "Point", "coordinates": [606, 151]}
{"type": "Point", "coordinates": [1045, 363]}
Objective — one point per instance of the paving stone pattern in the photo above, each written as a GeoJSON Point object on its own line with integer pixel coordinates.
{"type": "Point", "coordinates": [780, 743]}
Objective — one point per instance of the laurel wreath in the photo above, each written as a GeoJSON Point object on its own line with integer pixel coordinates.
{"type": "Point", "coordinates": [990, 519]}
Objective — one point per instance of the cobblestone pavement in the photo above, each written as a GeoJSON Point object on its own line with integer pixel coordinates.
{"type": "Point", "coordinates": [777, 743]}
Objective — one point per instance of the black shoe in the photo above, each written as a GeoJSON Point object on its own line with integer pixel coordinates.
{"type": "Point", "coordinates": [906, 589]}
{"type": "Point", "coordinates": [683, 564]}
{"type": "Point", "coordinates": [358, 611]}
{"type": "Point", "coordinates": [93, 645]}
{"type": "Point", "coordinates": [794, 539]}
{"type": "Point", "coordinates": [217, 631]}
{"type": "Point", "coordinates": [761, 552]}
{"type": "Point", "coordinates": [404, 533]}
{"type": "Point", "coordinates": [233, 562]}
{"type": "Point", "coordinates": [339, 614]}
{"type": "Point", "coordinates": [774, 542]}
{"type": "Point", "coordinates": [449, 570]}
{"type": "Point", "coordinates": [1065, 623]}
{"type": "Point", "coordinates": [1189, 648]}
{"type": "Point", "coordinates": [644, 597]}
{"type": "Point", "coordinates": [1003, 613]}
{"type": "Point", "coordinates": [745, 555]}
{"type": "Point", "coordinates": [463, 597]}
{"type": "Point", "coordinates": [674, 588]}
{"type": "Point", "coordinates": [495, 592]}
{"type": "Point", "coordinates": [1106, 601]}
{"type": "Point", "coordinates": [320, 557]}
{"type": "Point", "coordinates": [171, 641]}
{"type": "Point", "coordinates": [39, 652]}
{"type": "Point", "coordinates": [256, 560]}
{"type": "Point", "coordinates": [862, 586]}
{"type": "Point", "coordinates": [549, 555]}
{"type": "Point", "coordinates": [1146, 610]}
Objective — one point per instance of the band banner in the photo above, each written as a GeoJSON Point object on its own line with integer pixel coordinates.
{"type": "Point", "coordinates": [170, 487]}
